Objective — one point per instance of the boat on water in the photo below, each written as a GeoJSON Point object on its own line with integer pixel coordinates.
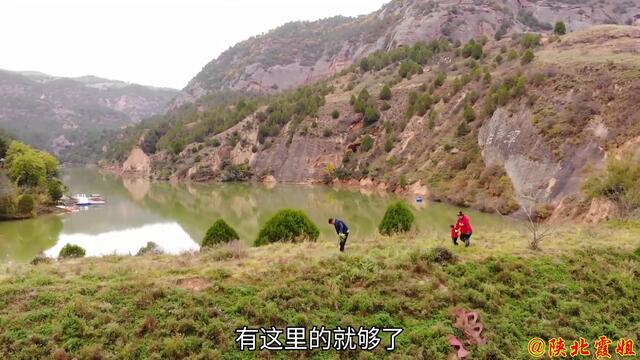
{"type": "Point", "coordinates": [84, 200]}
{"type": "Point", "coordinates": [69, 209]}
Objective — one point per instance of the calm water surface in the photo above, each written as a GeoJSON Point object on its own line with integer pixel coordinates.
{"type": "Point", "coordinates": [176, 217]}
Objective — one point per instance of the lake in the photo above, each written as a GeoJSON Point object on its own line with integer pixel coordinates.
{"type": "Point", "coordinates": [176, 216]}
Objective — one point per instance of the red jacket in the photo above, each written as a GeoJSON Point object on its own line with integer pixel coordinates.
{"type": "Point", "coordinates": [464, 225]}
{"type": "Point", "coordinates": [454, 232]}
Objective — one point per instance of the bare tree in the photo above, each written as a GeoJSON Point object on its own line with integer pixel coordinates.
{"type": "Point", "coordinates": [536, 229]}
{"type": "Point", "coordinates": [532, 226]}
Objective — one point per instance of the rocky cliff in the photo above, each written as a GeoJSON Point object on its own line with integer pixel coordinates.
{"type": "Point", "coordinates": [304, 52]}
{"type": "Point", "coordinates": [55, 113]}
{"type": "Point", "coordinates": [498, 132]}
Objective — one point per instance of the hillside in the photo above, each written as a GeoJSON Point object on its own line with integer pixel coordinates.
{"type": "Point", "coordinates": [188, 306]}
{"type": "Point", "coordinates": [56, 113]}
{"type": "Point", "coordinates": [493, 133]}
{"type": "Point", "coordinates": [303, 52]}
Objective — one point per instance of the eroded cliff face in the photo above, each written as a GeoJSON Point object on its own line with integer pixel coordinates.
{"type": "Point", "coordinates": [510, 140]}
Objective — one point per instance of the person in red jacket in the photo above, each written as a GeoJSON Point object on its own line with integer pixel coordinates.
{"type": "Point", "coordinates": [464, 225]}
{"type": "Point", "coordinates": [455, 233]}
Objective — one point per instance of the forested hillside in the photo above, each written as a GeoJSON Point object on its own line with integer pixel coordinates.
{"type": "Point", "coordinates": [488, 124]}
{"type": "Point", "coordinates": [301, 53]}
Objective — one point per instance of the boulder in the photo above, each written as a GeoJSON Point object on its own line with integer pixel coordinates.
{"type": "Point", "coordinates": [601, 209]}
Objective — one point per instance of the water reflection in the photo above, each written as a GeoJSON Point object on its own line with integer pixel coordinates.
{"type": "Point", "coordinates": [169, 236]}
{"type": "Point", "coordinates": [176, 216]}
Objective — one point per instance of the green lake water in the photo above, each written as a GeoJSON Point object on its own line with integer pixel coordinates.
{"type": "Point", "coordinates": [176, 216]}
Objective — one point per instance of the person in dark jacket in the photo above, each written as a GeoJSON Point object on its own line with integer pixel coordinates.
{"type": "Point", "coordinates": [342, 230]}
{"type": "Point", "coordinates": [464, 224]}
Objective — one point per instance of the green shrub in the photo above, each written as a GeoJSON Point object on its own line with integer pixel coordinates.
{"type": "Point", "coordinates": [55, 189]}
{"type": "Point", "coordinates": [385, 93]}
{"type": "Point", "coordinates": [150, 249]}
{"type": "Point", "coordinates": [335, 114]}
{"type": "Point", "coordinates": [409, 68]}
{"type": "Point", "coordinates": [7, 206]}
{"type": "Point", "coordinates": [397, 219]}
{"type": "Point", "coordinates": [441, 255]}
{"type": "Point", "coordinates": [462, 129]}
{"type": "Point", "coordinates": [432, 119]}
{"type": "Point", "coordinates": [71, 251]}
{"type": "Point", "coordinates": [529, 40]}
{"type": "Point", "coordinates": [472, 49]}
{"type": "Point", "coordinates": [26, 204]}
{"type": "Point", "coordinates": [469, 114]}
{"type": "Point", "coordinates": [219, 232]}
{"type": "Point", "coordinates": [527, 57]}
{"type": "Point", "coordinates": [388, 145]}
{"type": "Point", "coordinates": [287, 225]}
{"type": "Point", "coordinates": [327, 132]}
{"type": "Point", "coordinates": [360, 106]}
{"type": "Point", "coordinates": [371, 115]}
{"type": "Point", "coordinates": [367, 143]}
{"type": "Point", "coordinates": [439, 79]}
{"type": "Point", "coordinates": [385, 106]}
{"type": "Point", "coordinates": [619, 183]}
{"type": "Point", "coordinates": [560, 28]}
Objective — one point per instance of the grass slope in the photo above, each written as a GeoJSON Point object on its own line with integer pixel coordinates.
{"type": "Point", "coordinates": [585, 283]}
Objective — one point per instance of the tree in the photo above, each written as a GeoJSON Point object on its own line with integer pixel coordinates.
{"type": "Point", "coordinates": [26, 204]}
{"type": "Point", "coordinates": [468, 113]}
{"type": "Point", "coordinates": [385, 93]}
{"type": "Point", "coordinates": [28, 170]}
{"type": "Point", "coordinates": [219, 232]}
{"type": "Point", "coordinates": [527, 57]}
{"type": "Point", "coordinates": [560, 28]}
{"type": "Point", "coordinates": [371, 115]}
{"type": "Point", "coordinates": [397, 219]}
{"type": "Point", "coordinates": [335, 114]}
{"type": "Point", "coordinates": [530, 40]}
{"type": "Point", "coordinates": [462, 129]}
{"type": "Point", "coordinates": [364, 95]}
{"type": "Point", "coordinates": [409, 68]}
{"type": "Point", "coordinates": [472, 49]}
{"type": "Point", "coordinates": [55, 189]}
{"type": "Point", "coordinates": [388, 145]}
{"type": "Point", "coordinates": [367, 143]}
{"type": "Point", "coordinates": [70, 251]}
{"type": "Point", "coordinates": [360, 106]}
{"type": "Point", "coordinates": [439, 79]}
{"type": "Point", "coordinates": [287, 225]}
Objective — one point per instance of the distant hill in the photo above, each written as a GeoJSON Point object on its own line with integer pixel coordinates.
{"type": "Point", "coordinates": [55, 113]}
{"type": "Point", "coordinates": [303, 52]}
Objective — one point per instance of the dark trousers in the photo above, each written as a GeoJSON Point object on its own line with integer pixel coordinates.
{"type": "Point", "coordinates": [455, 240]}
{"type": "Point", "coordinates": [343, 241]}
{"type": "Point", "coordinates": [466, 238]}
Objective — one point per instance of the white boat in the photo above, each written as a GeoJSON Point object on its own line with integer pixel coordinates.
{"type": "Point", "coordinates": [83, 200]}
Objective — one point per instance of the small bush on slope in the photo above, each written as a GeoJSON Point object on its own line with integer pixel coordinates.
{"type": "Point", "coordinates": [71, 251]}
{"type": "Point", "coordinates": [288, 225]}
{"type": "Point", "coordinates": [219, 232]}
{"type": "Point", "coordinates": [397, 219]}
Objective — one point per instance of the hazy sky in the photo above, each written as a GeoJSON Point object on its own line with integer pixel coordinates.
{"type": "Point", "coordinates": [151, 42]}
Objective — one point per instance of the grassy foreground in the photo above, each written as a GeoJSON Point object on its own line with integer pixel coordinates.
{"type": "Point", "coordinates": [585, 283]}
